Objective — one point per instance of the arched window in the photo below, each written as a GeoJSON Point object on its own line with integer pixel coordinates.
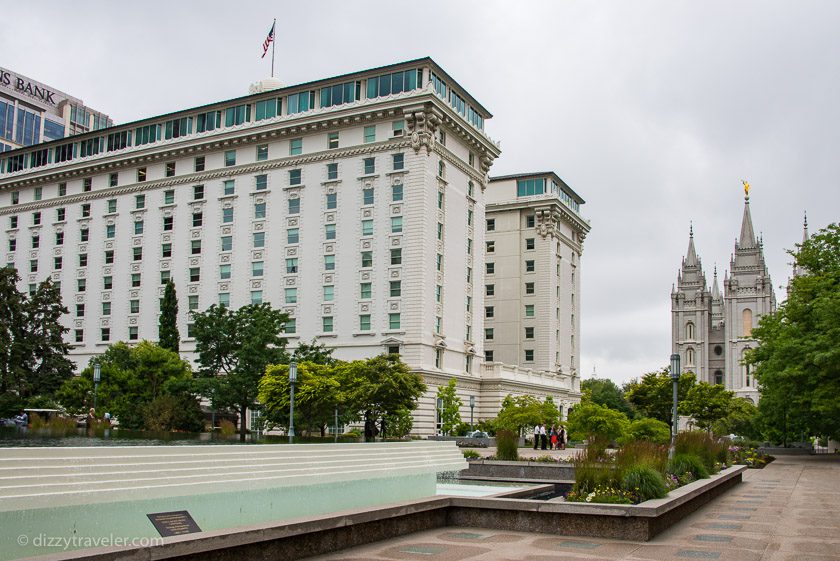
{"type": "Point", "coordinates": [746, 323]}
{"type": "Point", "coordinates": [689, 357]}
{"type": "Point", "coordinates": [689, 331]}
{"type": "Point", "coordinates": [441, 169]}
{"type": "Point", "coordinates": [746, 368]}
{"type": "Point", "coordinates": [718, 377]}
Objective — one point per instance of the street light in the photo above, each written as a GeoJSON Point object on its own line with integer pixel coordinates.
{"type": "Point", "coordinates": [440, 415]}
{"type": "Point", "coordinates": [675, 378]}
{"type": "Point", "coordinates": [292, 380]}
{"type": "Point", "coordinates": [97, 375]}
{"type": "Point", "coordinates": [472, 406]}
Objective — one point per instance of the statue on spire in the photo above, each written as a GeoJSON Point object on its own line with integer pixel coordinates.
{"type": "Point", "coordinates": [746, 188]}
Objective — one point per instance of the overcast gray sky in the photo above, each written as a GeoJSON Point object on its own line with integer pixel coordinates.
{"type": "Point", "coordinates": [653, 111]}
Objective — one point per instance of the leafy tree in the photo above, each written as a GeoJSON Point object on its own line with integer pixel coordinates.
{"type": "Point", "coordinates": [234, 349]}
{"type": "Point", "coordinates": [651, 430]}
{"type": "Point", "coordinates": [706, 404]}
{"type": "Point", "coordinates": [588, 420]}
{"type": "Point", "coordinates": [653, 395]}
{"type": "Point", "coordinates": [605, 392]}
{"type": "Point", "coordinates": [314, 352]}
{"type": "Point", "coordinates": [525, 411]}
{"type": "Point", "coordinates": [318, 392]}
{"type": "Point", "coordinates": [380, 386]}
{"type": "Point", "coordinates": [169, 412]}
{"type": "Point", "coordinates": [450, 413]}
{"type": "Point", "coordinates": [168, 335]}
{"type": "Point", "coordinates": [798, 357]}
{"type": "Point", "coordinates": [131, 379]}
{"type": "Point", "coordinates": [32, 349]}
{"type": "Point", "coordinates": [741, 420]}
{"type": "Point", "coordinates": [399, 423]}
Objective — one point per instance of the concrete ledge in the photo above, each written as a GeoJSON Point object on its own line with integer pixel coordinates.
{"type": "Point", "coordinates": [529, 471]}
{"type": "Point", "coordinates": [320, 535]}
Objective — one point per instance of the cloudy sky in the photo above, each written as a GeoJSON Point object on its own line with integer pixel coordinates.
{"type": "Point", "coordinates": [653, 111]}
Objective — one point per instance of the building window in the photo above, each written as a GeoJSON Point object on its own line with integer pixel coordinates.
{"type": "Point", "coordinates": [332, 140]}
{"type": "Point", "coordinates": [440, 200]}
{"type": "Point", "coordinates": [689, 331]}
{"type": "Point", "coordinates": [169, 197]}
{"type": "Point", "coordinates": [135, 280]}
{"type": "Point", "coordinates": [367, 196]}
{"type": "Point", "coordinates": [490, 268]}
{"type": "Point", "coordinates": [529, 310]}
{"type": "Point", "coordinates": [439, 265]}
{"type": "Point", "coordinates": [367, 227]}
{"type": "Point", "coordinates": [36, 218]}
{"type": "Point", "coordinates": [227, 243]}
{"type": "Point", "coordinates": [12, 244]}
{"type": "Point", "coordinates": [295, 177]}
{"type": "Point", "coordinates": [224, 272]}
{"type": "Point", "coordinates": [256, 297]}
{"type": "Point", "coordinates": [327, 324]}
{"type": "Point", "coordinates": [396, 193]}
{"type": "Point", "coordinates": [398, 161]}
{"type": "Point", "coordinates": [718, 377]}
{"type": "Point", "coordinates": [230, 158]}
{"type": "Point", "coordinates": [195, 247]}
{"type": "Point", "coordinates": [80, 310]}
{"type": "Point", "coordinates": [367, 259]}
{"type": "Point", "coordinates": [290, 295]}
{"type": "Point", "coordinates": [438, 293]}
{"type": "Point", "coordinates": [529, 288]}
{"type": "Point", "coordinates": [393, 321]}
{"type": "Point", "coordinates": [329, 293]}
{"type": "Point", "coordinates": [134, 306]}
{"type": "Point", "coordinates": [488, 334]}
{"type": "Point", "coordinates": [259, 211]}
{"type": "Point", "coordinates": [489, 289]}
{"type": "Point", "coordinates": [112, 206]}
{"type": "Point", "coordinates": [329, 231]}
{"type": "Point", "coordinates": [165, 276]}
{"type": "Point", "coordinates": [170, 169]}
{"type": "Point", "coordinates": [109, 256]}
{"type": "Point", "coordinates": [198, 164]}
{"type": "Point", "coordinates": [528, 187]}
{"type": "Point", "coordinates": [746, 323]}
{"type": "Point", "coordinates": [141, 175]}
{"type": "Point", "coordinates": [332, 201]}
{"type": "Point", "coordinates": [370, 133]}
{"type": "Point", "coordinates": [139, 202]}
{"type": "Point", "coordinates": [530, 221]}
{"type": "Point", "coordinates": [224, 299]}
{"type": "Point", "coordinates": [490, 246]}
{"type": "Point", "coordinates": [168, 223]}
{"type": "Point", "coordinates": [110, 231]}
{"type": "Point", "coordinates": [86, 210]}
{"type": "Point", "coordinates": [87, 182]}
{"type": "Point", "coordinates": [105, 334]}
{"type": "Point", "coordinates": [106, 308]}
{"type": "Point", "coordinates": [293, 235]}
{"type": "Point", "coordinates": [295, 146]}
{"type": "Point", "coordinates": [80, 335]}
{"type": "Point", "coordinates": [261, 182]}
{"type": "Point", "coordinates": [395, 289]}
{"type": "Point", "coordinates": [294, 206]}
{"type": "Point", "coordinates": [396, 224]}
{"type": "Point", "coordinates": [365, 290]}
{"type": "Point", "coordinates": [138, 227]}
{"type": "Point", "coordinates": [62, 189]}
{"type": "Point", "coordinates": [197, 219]}
{"type": "Point", "coordinates": [257, 269]}
{"type": "Point", "coordinates": [227, 215]}
{"type": "Point", "coordinates": [398, 127]}
{"type": "Point", "coordinates": [689, 357]}
{"type": "Point", "coordinates": [57, 263]}
{"type": "Point", "coordinates": [396, 256]}
{"type": "Point", "coordinates": [364, 322]}
{"type": "Point", "coordinates": [259, 239]}
{"type": "Point", "coordinates": [529, 266]}
{"type": "Point", "coordinates": [292, 265]}
{"type": "Point", "coordinates": [329, 262]}
{"type": "Point", "coordinates": [529, 243]}
{"type": "Point", "coordinates": [36, 241]}
{"type": "Point", "coordinates": [83, 260]}
{"type": "Point", "coordinates": [332, 171]}
{"type": "Point", "coordinates": [228, 187]}
{"type": "Point", "coordinates": [489, 311]}
{"type": "Point", "coordinates": [290, 326]}
{"type": "Point", "coordinates": [529, 332]}
{"type": "Point", "coordinates": [529, 355]}
{"type": "Point", "coordinates": [369, 165]}
{"type": "Point", "coordinates": [262, 152]}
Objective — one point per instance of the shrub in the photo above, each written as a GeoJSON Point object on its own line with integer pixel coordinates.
{"type": "Point", "coordinates": [471, 455]}
{"type": "Point", "coordinates": [651, 430]}
{"type": "Point", "coordinates": [590, 419]}
{"type": "Point", "coordinates": [645, 481]}
{"type": "Point", "coordinates": [643, 453]}
{"type": "Point", "coordinates": [227, 428]}
{"type": "Point", "coordinates": [594, 468]}
{"type": "Point", "coordinates": [700, 444]}
{"type": "Point", "coordinates": [170, 413]}
{"type": "Point", "coordinates": [507, 445]}
{"type": "Point", "coordinates": [688, 464]}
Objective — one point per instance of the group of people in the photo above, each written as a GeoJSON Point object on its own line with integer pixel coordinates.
{"type": "Point", "coordinates": [555, 437]}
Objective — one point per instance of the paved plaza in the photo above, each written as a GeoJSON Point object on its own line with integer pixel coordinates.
{"type": "Point", "coordinates": [789, 511]}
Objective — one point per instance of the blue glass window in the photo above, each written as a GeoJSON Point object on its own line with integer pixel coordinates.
{"type": "Point", "coordinates": [7, 119]}
{"type": "Point", "coordinates": [237, 115]}
{"type": "Point", "coordinates": [178, 127]}
{"type": "Point", "coordinates": [147, 134]}
{"type": "Point", "coordinates": [28, 127]}
{"type": "Point", "coordinates": [267, 108]}
{"type": "Point", "coordinates": [395, 82]}
{"type": "Point", "coordinates": [341, 93]}
{"type": "Point", "coordinates": [299, 102]}
{"type": "Point", "coordinates": [528, 187]}
{"type": "Point", "coordinates": [208, 121]}
{"type": "Point", "coordinates": [53, 130]}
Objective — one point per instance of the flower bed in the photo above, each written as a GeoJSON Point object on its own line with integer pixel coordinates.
{"type": "Point", "coordinates": [749, 456]}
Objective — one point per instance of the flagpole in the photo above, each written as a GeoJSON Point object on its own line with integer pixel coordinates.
{"type": "Point", "coordinates": [273, 43]}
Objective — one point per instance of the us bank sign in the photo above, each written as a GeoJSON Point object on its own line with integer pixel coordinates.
{"type": "Point", "coordinates": [27, 87]}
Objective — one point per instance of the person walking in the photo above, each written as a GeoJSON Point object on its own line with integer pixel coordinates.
{"type": "Point", "coordinates": [561, 437]}
{"type": "Point", "coordinates": [543, 437]}
{"type": "Point", "coordinates": [536, 436]}
{"type": "Point", "coordinates": [553, 437]}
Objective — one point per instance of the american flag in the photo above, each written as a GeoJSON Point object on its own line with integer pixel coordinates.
{"type": "Point", "coordinates": [268, 40]}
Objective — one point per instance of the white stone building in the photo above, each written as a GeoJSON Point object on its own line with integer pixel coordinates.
{"type": "Point", "coordinates": [354, 203]}
{"type": "Point", "coordinates": [711, 333]}
{"type": "Point", "coordinates": [32, 112]}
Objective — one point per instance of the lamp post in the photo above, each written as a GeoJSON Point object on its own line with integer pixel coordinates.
{"type": "Point", "coordinates": [675, 378]}
{"type": "Point", "coordinates": [472, 406]}
{"type": "Point", "coordinates": [292, 380]}
{"type": "Point", "coordinates": [440, 415]}
{"type": "Point", "coordinates": [97, 375]}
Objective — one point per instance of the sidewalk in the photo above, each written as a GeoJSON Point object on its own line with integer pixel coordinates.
{"type": "Point", "coordinates": [788, 511]}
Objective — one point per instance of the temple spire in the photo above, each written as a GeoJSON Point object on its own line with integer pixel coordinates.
{"type": "Point", "coordinates": [805, 228]}
{"type": "Point", "coordinates": [691, 254]}
{"type": "Point", "coordinates": [715, 290]}
{"type": "Point", "coordinates": [747, 238]}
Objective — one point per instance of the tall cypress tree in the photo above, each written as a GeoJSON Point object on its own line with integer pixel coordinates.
{"type": "Point", "coordinates": [168, 336]}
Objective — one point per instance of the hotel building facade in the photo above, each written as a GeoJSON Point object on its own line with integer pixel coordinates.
{"type": "Point", "coordinates": [32, 112]}
{"type": "Point", "coordinates": [356, 204]}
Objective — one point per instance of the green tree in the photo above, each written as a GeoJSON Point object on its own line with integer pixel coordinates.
{"type": "Point", "coordinates": [168, 335]}
{"type": "Point", "coordinates": [605, 392]}
{"type": "Point", "coordinates": [587, 420]}
{"type": "Point", "coordinates": [235, 347]}
{"type": "Point", "coordinates": [314, 352]}
{"type": "Point", "coordinates": [706, 404]}
{"type": "Point", "coordinates": [653, 395]}
{"type": "Point", "coordinates": [380, 386]}
{"type": "Point", "coordinates": [318, 392]}
{"type": "Point", "coordinates": [32, 349]}
{"type": "Point", "coordinates": [797, 361]}
{"type": "Point", "coordinates": [450, 411]}
{"type": "Point", "coordinates": [399, 423]}
{"type": "Point", "coordinates": [651, 430]}
{"type": "Point", "coordinates": [741, 420]}
{"type": "Point", "coordinates": [522, 412]}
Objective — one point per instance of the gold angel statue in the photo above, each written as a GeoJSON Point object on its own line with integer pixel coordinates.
{"type": "Point", "coordinates": [746, 187]}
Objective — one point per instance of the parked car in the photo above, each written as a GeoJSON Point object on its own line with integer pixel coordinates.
{"type": "Point", "coordinates": [477, 434]}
